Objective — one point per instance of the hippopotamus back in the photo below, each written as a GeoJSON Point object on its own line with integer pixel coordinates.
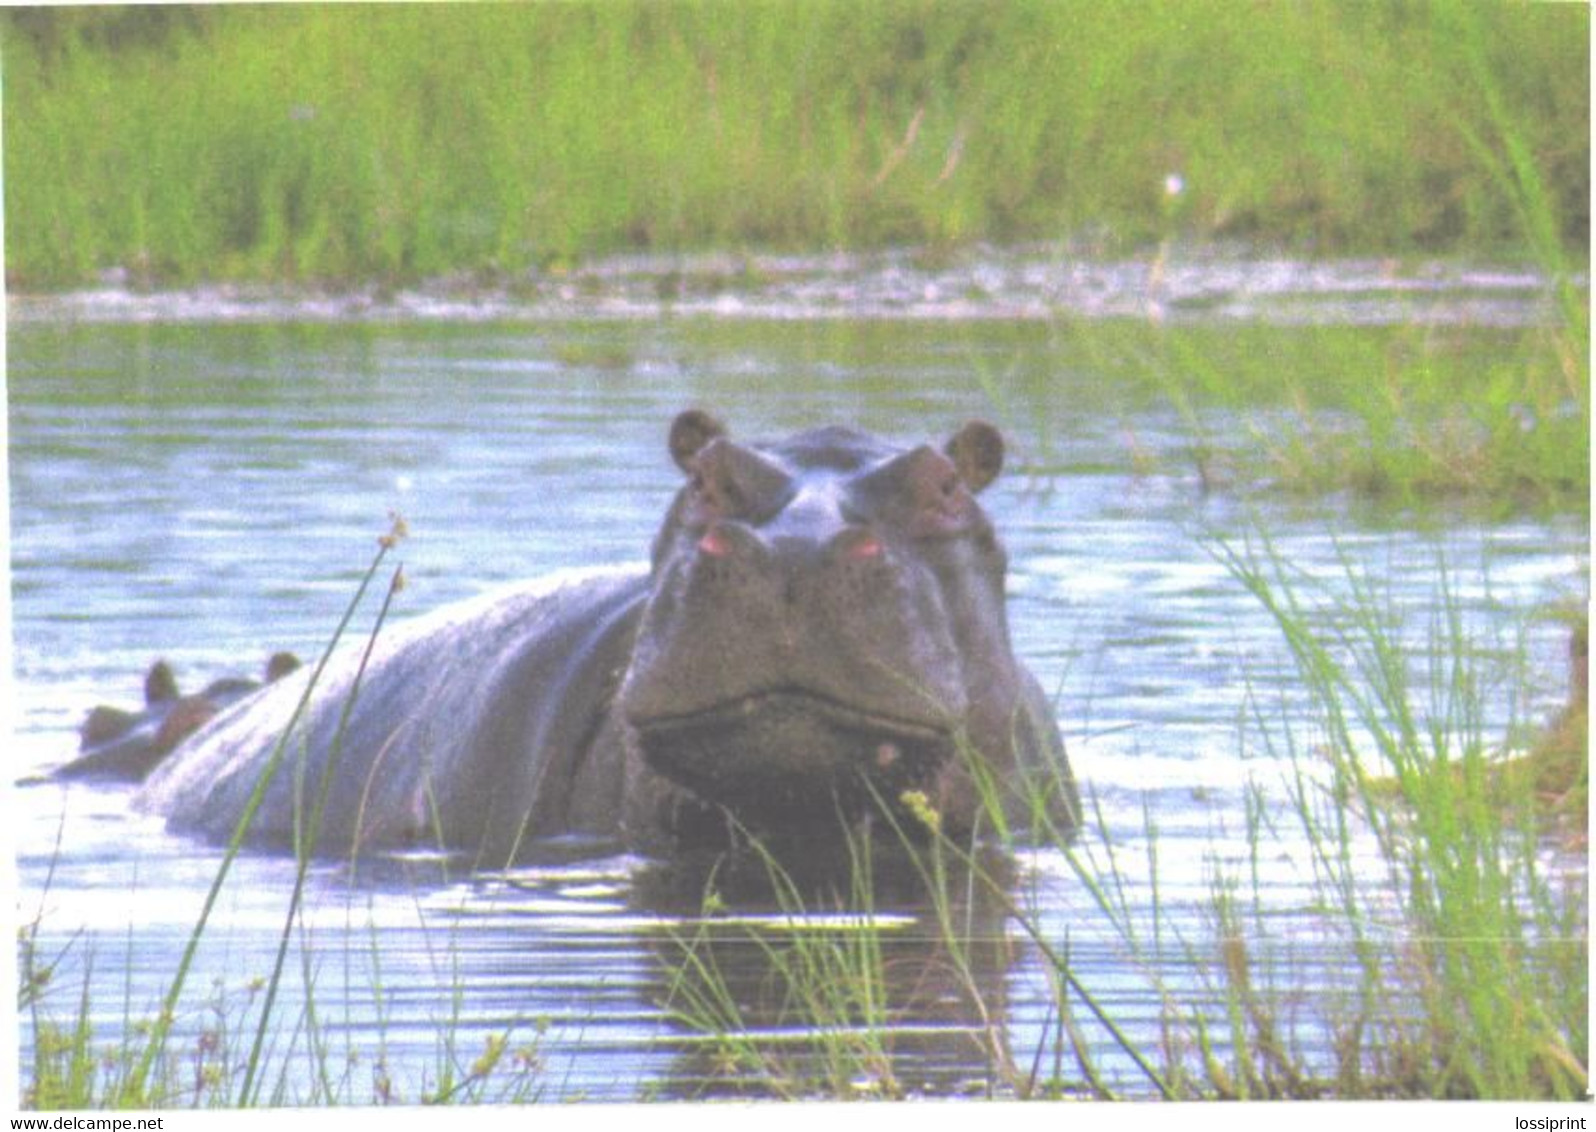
{"type": "Point", "coordinates": [477, 726]}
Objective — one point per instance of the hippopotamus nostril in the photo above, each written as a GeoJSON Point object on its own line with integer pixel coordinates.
{"type": "Point", "coordinates": [732, 541]}
{"type": "Point", "coordinates": [856, 544]}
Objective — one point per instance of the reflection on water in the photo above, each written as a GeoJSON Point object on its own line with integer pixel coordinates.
{"type": "Point", "coordinates": [211, 493]}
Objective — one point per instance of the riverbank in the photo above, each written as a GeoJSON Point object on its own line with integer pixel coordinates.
{"type": "Point", "coordinates": [388, 144]}
{"type": "Point", "coordinates": [1036, 282]}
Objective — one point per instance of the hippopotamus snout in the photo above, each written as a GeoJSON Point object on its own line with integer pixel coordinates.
{"type": "Point", "coordinates": [812, 604]}
{"type": "Point", "coordinates": [816, 538]}
{"type": "Point", "coordinates": [812, 572]}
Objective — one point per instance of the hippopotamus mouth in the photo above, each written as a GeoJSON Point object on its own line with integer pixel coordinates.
{"type": "Point", "coordinates": [782, 757]}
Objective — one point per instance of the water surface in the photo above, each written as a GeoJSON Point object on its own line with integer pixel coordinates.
{"type": "Point", "coordinates": [211, 491]}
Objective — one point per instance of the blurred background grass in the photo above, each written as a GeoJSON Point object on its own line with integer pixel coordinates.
{"type": "Point", "coordinates": [387, 143]}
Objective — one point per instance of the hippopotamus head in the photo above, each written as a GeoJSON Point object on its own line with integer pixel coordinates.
{"type": "Point", "coordinates": [128, 744]}
{"type": "Point", "coordinates": [826, 624]}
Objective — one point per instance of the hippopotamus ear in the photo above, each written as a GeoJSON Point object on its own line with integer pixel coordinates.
{"type": "Point", "coordinates": [977, 452]}
{"type": "Point", "coordinates": [160, 684]}
{"type": "Point", "coordinates": [280, 665]}
{"type": "Point", "coordinates": [690, 431]}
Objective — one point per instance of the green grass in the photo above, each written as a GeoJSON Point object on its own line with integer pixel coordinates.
{"type": "Point", "coordinates": [309, 1061]}
{"type": "Point", "coordinates": [1482, 989]}
{"type": "Point", "coordinates": [1410, 416]}
{"type": "Point", "coordinates": [352, 143]}
{"type": "Point", "coordinates": [826, 982]}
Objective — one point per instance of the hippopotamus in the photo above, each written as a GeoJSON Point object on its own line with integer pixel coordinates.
{"type": "Point", "coordinates": [819, 640]}
{"type": "Point", "coordinates": [119, 744]}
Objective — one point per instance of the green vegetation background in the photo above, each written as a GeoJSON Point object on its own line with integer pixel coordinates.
{"type": "Point", "coordinates": [347, 143]}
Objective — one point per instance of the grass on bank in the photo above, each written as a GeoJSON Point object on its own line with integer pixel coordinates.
{"type": "Point", "coordinates": [1411, 417]}
{"type": "Point", "coordinates": [73, 1063]}
{"type": "Point", "coordinates": [1477, 986]}
{"type": "Point", "coordinates": [1410, 414]}
{"type": "Point", "coordinates": [1497, 419]}
{"type": "Point", "coordinates": [312, 143]}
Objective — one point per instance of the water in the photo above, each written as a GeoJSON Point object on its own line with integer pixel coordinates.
{"type": "Point", "coordinates": [210, 491]}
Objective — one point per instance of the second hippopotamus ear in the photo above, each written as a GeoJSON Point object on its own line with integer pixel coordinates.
{"type": "Point", "coordinates": [160, 684]}
{"type": "Point", "coordinates": [690, 431]}
{"type": "Point", "coordinates": [977, 452]}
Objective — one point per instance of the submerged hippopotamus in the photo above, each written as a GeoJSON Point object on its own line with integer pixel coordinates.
{"type": "Point", "coordinates": [119, 744]}
{"type": "Point", "coordinates": [821, 634]}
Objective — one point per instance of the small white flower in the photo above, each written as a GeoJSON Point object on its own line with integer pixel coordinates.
{"type": "Point", "coordinates": [1174, 184]}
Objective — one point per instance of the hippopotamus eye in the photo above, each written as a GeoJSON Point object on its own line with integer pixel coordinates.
{"type": "Point", "coordinates": [709, 500]}
{"type": "Point", "coordinates": [723, 497]}
{"type": "Point", "coordinates": [727, 481]}
{"type": "Point", "coordinates": [920, 493]}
